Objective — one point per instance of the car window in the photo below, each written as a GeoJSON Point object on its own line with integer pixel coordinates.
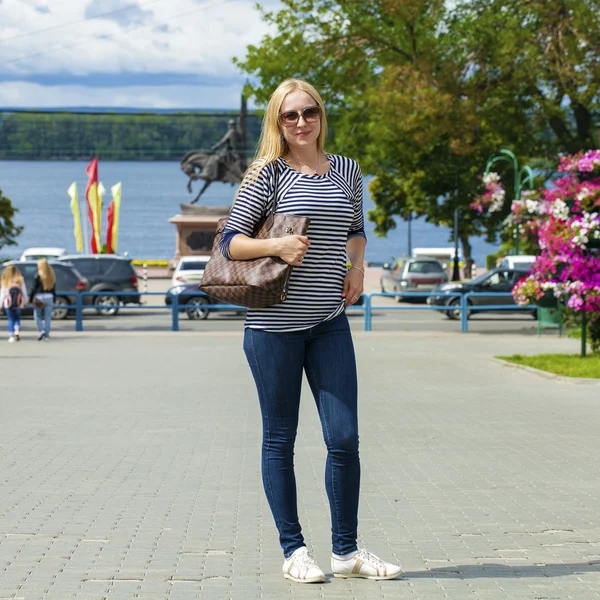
{"type": "Point", "coordinates": [518, 275]}
{"type": "Point", "coordinates": [36, 256]}
{"type": "Point", "coordinates": [66, 278]}
{"type": "Point", "coordinates": [499, 278]}
{"type": "Point", "coordinates": [28, 272]}
{"type": "Point", "coordinates": [425, 267]}
{"type": "Point", "coordinates": [193, 266]}
{"type": "Point", "coordinates": [87, 266]}
{"type": "Point", "coordinates": [119, 269]}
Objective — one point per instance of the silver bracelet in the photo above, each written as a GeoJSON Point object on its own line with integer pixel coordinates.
{"type": "Point", "coordinates": [357, 270]}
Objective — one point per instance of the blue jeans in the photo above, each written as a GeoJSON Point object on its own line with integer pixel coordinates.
{"type": "Point", "coordinates": [43, 318]}
{"type": "Point", "coordinates": [277, 360]}
{"type": "Point", "coordinates": [14, 319]}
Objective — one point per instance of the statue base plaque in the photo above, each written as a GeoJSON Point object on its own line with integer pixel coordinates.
{"type": "Point", "coordinates": [196, 226]}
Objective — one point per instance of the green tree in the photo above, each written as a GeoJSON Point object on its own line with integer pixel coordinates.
{"type": "Point", "coordinates": [422, 93]}
{"type": "Point", "coordinates": [8, 230]}
{"type": "Point", "coordinates": [73, 136]}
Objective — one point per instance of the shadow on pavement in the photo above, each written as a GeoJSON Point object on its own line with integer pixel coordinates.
{"type": "Point", "coordinates": [495, 570]}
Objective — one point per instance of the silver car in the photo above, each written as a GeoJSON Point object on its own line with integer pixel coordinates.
{"type": "Point", "coordinates": [413, 275]}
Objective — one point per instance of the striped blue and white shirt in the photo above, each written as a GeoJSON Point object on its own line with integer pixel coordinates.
{"type": "Point", "coordinates": [334, 204]}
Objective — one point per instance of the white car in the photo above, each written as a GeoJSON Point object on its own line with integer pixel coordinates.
{"type": "Point", "coordinates": [517, 261]}
{"type": "Point", "coordinates": [189, 269]}
{"type": "Point", "coordinates": [43, 252]}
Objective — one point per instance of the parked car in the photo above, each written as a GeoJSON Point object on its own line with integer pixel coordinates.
{"type": "Point", "coordinates": [495, 280]}
{"type": "Point", "coordinates": [189, 269]}
{"type": "Point", "coordinates": [413, 275]}
{"type": "Point", "coordinates": [517, 261]}
{"type": "Point", "coordinates": [107, 273]}
{"type": "Point", "coordinates": [69, 281]}
{"type": "Point", "coordinates": [193, 301]}
{"type": "Point", "coordinates": [42, 252]}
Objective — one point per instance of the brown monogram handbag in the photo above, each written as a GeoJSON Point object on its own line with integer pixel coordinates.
{"type": "Point", "coordinates": [259, 282]}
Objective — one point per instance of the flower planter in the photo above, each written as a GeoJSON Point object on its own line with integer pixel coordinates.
{"type": "Point", "coordinates": [593, 244]}
{"type": "Point", "coordinates": [549, 318]}
{"type": "Point", "coordinates": [548, 300]}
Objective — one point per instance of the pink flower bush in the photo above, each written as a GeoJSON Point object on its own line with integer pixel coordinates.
{"type": "Point", "coordinates": [492, 200]}
{"type": "Point", "coordinates": [567, 218]}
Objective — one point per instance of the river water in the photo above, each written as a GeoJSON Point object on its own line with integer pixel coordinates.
{"type": "Point", "coordinates": [152, 193]}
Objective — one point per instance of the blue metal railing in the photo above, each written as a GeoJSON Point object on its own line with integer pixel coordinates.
{"type": "Point", "coordinates": [465, 305]}
{"type": "Point", "coordinates": [369, 307]}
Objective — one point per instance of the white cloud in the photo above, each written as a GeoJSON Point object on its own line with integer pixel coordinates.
{"type": "Point", "coordinates": [67, 39]}
{"type": "Point", "coordinates": [32, 95]}
{"type": "Point", "coordinates": [121, 12]}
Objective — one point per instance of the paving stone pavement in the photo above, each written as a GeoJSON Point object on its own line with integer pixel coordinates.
{"type": "Point", "coordinates": [129, 468]}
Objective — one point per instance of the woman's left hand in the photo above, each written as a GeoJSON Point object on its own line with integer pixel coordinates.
{"type": "Point", "coordinates": [353, 286]}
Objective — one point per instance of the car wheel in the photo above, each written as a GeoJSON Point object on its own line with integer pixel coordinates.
{"type": "Point", "coordinates": [454, 313]}
{"type": "Point", "coordinates": [59, 312]}
{"type": "Point", "coordinates": [107, 305]}
{"type": "Point", "coordinates": [197, 308]}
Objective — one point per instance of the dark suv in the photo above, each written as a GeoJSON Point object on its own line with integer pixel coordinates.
{"type": "Point", "coordinates": [69, 281]}
{"type": "Point", "coordinates": [107, 273]}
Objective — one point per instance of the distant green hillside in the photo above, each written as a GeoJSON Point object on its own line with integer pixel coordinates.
{"type": "Point", "coordinates": [113, 136]}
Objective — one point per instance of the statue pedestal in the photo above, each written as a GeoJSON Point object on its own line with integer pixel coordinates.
{"type": "Point", "coordinates": [196, 226]}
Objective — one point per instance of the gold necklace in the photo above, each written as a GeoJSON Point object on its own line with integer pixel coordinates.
{"type": "Point", "coordinates": [314, 171]}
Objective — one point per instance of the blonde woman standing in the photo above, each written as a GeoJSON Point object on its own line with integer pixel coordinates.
{"type": "Point", "coordinates": [309, 332]}
{"type": "Point", "coordinates": [43, 294]}
{"type": "Point", "coordinates": [13, 298]}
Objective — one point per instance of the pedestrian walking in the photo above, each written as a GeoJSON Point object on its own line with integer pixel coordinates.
{"type": "Point", "coordinates": [309, 332]}
{"type": "Point", "coordinates": [13, 298]}
{"type": "Point", "coordinates": [43, 294]}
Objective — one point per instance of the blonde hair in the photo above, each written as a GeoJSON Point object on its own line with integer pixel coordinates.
{"type": "Point", "coordinates": [46, 273]}
{"type": "Point", "coordinates": [11, 275]}
{"type": "Point", "coordinates": [272, 144]}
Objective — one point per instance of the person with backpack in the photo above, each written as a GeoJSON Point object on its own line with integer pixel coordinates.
{"type": "Point", "coordinates": [43, 294]}
{"type": "Point", "coordinates": [13, 298]}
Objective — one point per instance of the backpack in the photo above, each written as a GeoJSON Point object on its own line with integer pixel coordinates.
{"type": "Point", "coordinates": [15, 296]}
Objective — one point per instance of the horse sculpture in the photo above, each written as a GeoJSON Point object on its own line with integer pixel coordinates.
{"type": "Point", "coordinates": [224, 162]}
{"type": "Point", "coordinates": [210, 167]}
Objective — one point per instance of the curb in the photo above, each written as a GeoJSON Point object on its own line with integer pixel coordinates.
{"type": "Point", "coordinates": [546, 375]}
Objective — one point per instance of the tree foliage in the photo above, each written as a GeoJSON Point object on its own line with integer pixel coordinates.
{"type": "Point", "coordinates": [422, 92]}
{"type": "Point", "coordinates": [8, 230]}
{"type": "Point", "coordinates": [80, 136]}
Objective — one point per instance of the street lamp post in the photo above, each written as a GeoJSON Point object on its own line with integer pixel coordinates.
{"type": "Point", "coordinates": [522, 177]}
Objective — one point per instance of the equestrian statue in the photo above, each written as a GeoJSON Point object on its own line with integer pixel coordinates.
{"type": "Point", "coordinates": [226, 160]}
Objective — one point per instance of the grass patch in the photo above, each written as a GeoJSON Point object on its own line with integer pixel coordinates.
{"type": "Point", "coordinates": [568, 365]}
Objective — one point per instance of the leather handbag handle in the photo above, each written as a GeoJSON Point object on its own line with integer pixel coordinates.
{"type": "Point", "coordinates": [275, 201]}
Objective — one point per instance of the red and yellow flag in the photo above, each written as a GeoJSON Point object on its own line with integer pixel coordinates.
{"type": "Point", "coordinates": [112, 226]}
{"type": "Point", "coordinates": [93, 201]}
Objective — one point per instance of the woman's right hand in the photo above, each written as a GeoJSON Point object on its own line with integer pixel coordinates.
{"type": "Point", "coordinates": [292, 248]}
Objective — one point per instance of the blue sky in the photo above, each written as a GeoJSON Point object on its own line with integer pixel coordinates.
{"type": "Point", "coordinates": [138, 53]}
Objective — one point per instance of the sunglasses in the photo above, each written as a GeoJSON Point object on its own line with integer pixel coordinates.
{"type": "Point", "coordinates": [290, 118]}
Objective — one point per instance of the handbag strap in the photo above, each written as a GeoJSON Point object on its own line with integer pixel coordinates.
{"type": "Point", "coordinates": [275, 200]}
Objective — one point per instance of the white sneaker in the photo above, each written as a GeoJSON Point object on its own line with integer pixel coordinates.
{"type": "Point", "coordinates": [11, 339]}
{"type": "Point", "coordinates": [364, 564]}
{"type": "Point", "coordinates": [302, 568]}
